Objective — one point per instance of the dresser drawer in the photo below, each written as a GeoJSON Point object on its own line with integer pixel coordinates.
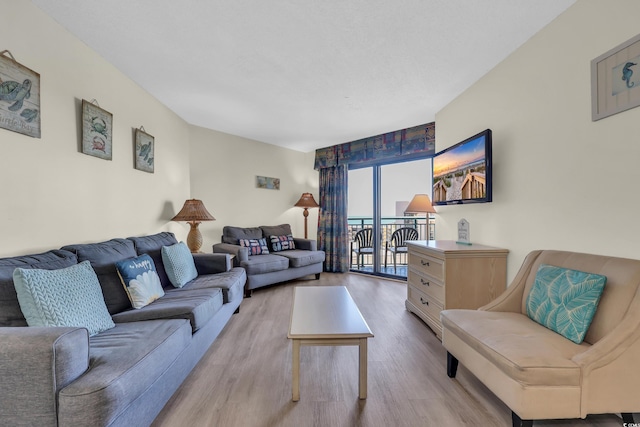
{"type": "Point", "coordinates": [427, 284]}
{"type": "Point", "coordinates": [425, 264]}
{"type": "Point", "coordinates": [426, 304]}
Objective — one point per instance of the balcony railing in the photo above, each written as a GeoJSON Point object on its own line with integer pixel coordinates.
{"type": "Point", "coordinates": [426, 231]}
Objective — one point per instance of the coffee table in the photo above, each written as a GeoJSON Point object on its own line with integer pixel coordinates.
{"type": "Point", "coordinates": [327, 315]}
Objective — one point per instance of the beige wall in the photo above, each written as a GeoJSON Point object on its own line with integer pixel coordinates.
{"type": "Point", "coordinates": [223, 175]}
{"type": "Point", "coordinates": [561, 181]}
{"type": "Point", "coordinates": [50, 193]}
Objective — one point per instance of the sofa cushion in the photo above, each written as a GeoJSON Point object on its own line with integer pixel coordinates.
{"type": "Point", "coordinates": [565, 300]}
{"type": "Point", "coordinates": [124, 362]}
{"type": "Point", "coordinates": [276, 230]}
{"type": "Point", "coordinates": [255, 246]}
{"type": "Point", "coordinates": [232, 234]}
{"type": "Point", "coordinates": [197, 306]}
{"type": "Point", "coordinates": [140, 280]}
{"type": "Point", "coordinates": [179, 264]}
{"type": "Point", "coordinates": [103, 257]}
{"type": "Point", "coordinates": [282, 243]}
{"type": "Point", "coordinates": [231, 282]}
{"type": "Point", "coordinates": [69, 296]}
{"type": "Point", "coordinates": [10, 312]}
{"type": "Point", "coordinates": [300, 258]}
{"type": "Point", "coordinates": [261, 264]}
{"type": "Point", "coordinates": [523, 349]}
{"type": "Point", "coordinates": [152, 245]}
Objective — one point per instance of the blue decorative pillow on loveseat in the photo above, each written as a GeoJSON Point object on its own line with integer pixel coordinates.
{"type": "Point", "coordinates": [256, 246]}
{"type": "Point", "coordinates": [140, 280]}
{"type": "Point", "coordinates": [282, 243]}
{"type": "Point", "coordinates": [565, 300]}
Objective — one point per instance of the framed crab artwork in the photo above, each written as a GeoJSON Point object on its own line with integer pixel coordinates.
{"type": "Point", "coordinates": [19, 97]}
{"type": "Point", "coordinates": [144, 148]}
{"type": "Point", "coordinates": [97, 128]}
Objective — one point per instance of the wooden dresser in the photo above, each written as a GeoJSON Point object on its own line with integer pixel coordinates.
{"type": "Point", "coordinates": [443, 274]}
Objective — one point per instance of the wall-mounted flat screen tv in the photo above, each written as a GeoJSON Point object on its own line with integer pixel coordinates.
{"type": "Point", "coordinates": [462, 172]}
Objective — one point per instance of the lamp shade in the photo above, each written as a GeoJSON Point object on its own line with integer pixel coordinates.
{"type": "Point", "coordinates": [420, 204]}
{"type": "Point", "coordinates": [307, 201]}
{"type": "Point", "coordinates": [193, 210]}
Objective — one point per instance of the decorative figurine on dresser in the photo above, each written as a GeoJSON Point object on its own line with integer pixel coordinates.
{"type": "Point", "coordinates": [444, 274]}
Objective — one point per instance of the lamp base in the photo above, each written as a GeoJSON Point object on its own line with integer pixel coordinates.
{"type": "Point", "coordinates": [194, 238]}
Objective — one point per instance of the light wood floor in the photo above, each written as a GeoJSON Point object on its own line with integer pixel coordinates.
{"type": "Point", "coordinates": [245, 378]}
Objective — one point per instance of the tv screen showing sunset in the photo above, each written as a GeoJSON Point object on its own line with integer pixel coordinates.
{"type": "Point", "coordinates": [459, 173]}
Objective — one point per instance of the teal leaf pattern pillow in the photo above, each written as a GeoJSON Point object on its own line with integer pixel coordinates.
{"type": "Point", "coordinates": [565, 300]}
{"type": "Point", "coordinates": [179, 264]}
{"type": "Point", "coordinates": [140, 280]}
{"type": "Point", "coordinates": [65, 297]}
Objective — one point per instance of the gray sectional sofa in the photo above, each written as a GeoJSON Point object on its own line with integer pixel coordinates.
{"type": "Point", "coordinates": [60, 376]}
{"type": "Point", "coordinates": [274, 267]}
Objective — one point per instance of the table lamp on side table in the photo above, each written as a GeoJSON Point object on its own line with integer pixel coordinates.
{"type": "Point", "coordinates": [194, 212]}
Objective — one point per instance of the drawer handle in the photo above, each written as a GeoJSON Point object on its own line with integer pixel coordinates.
{"type": "Point", "coordinates": [423, 282]}
{"type": "Point", "coordinates": [424, 262]}
{"type": "Point", "coordinates": [423, 301]}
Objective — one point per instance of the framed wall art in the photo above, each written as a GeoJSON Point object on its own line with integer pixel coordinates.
{"type": "Point", "coordinates": [615, 80]}
{"type": "Point", "coordinates": [97, 128]}
{"type": "Point", "coordinates": [19, 97]}
{"type": "Point", "coordinates": [268, 183]}
{"type": "Point", "coordinates": [144, 150]}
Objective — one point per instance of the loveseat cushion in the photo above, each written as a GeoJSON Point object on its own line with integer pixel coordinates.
{"type": "Point", "coordinates": [276, 230]}
{"type": "Point", "coordinates": [233, 235]}
{"type": "Point", "coordinates": [301, 258]}
{"type": "Point", "coordinates": [10, 313]}
{"type": "Point", "coordinates": [523, 349]}
{"type": "Point", "coordinates": [231, 282]}
{"type": "Point", "coordinates": [152, 245]}
{"type": "Point", "coordinates": [261, 264]}
{"type": "Point", "coordinates": [124, 362]}
{"type": "Point", "coordinates": [197, 306]}
{"type": "Point", "coordinates": [103, 257]}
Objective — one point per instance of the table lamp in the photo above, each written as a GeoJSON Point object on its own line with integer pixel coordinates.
{"type": "Point", "coordinates": [421, 203]}
{"type": "Point", "coordinates": [194, 212]}
{"type": "Point", "coordinates": [306, 201]}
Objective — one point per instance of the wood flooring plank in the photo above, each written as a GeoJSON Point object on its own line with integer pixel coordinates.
{"type": "Point", "coordinates": [244, 380]}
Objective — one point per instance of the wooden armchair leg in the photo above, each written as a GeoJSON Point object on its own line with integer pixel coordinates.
{"type": "Point", "coordinates": [518, 422]}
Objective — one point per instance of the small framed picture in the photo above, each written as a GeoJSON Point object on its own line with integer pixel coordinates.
{"type": "Point", "coordinates": [19, 97]}
{"type": "Point", "coordinates": [144, 151]}
{"type": "Point", "coordinates": [268, 183]}
{"type": "Point", "coordinates": [97, 128]}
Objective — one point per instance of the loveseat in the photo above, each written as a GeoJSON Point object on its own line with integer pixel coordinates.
{"type": "Point", "coordinates": [123, 376]}
{"type": "Point", "coordinates": [543, 374]}
{"type": "Point", "coordinates": [270, 254]}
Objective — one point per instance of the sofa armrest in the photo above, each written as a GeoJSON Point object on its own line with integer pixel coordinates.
{"type": "Point", "coordinates": [36, 363]}
{"type": "Point", "coordinates": [305, 244]}
{"type": "Point", "coordinates": [241, 253]}
{"type": "Point", "coordinates": [512, 298]}
{"type": "Point", "coordinates": [212, 263]}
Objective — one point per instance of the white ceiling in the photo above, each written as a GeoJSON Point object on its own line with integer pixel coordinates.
{"type": "Point", "coordinates": [304, 74]}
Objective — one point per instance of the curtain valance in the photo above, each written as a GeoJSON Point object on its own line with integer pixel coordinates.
{"type": "Point", "coordinates": [401, 143]}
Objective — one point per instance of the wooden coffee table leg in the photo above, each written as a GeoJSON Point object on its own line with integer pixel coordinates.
{"type": "Point", "coordinates": [295, 369]}
{"type": "Point", "coordinates": [362, 386]}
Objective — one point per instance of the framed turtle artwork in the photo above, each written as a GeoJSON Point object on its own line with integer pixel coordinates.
{"type": "Point", "coordinates": [97, 128]}
{"type": "Point", "coordinates": [19, 97]}
{"type": "Point", "coordinates": [144, 150]}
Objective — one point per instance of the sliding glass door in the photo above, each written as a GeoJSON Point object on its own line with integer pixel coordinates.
{"type": "Point", "coordinates": [378, 223]}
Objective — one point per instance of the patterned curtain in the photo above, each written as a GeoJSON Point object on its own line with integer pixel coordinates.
{"type": "Point", "coordinates": [333, 235]}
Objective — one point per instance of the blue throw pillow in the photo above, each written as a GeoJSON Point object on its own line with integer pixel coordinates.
{"type": "Point", "coordinates": [256, 246]}
{"type": "Point", "coordinates": [282, 243]}
{"type": "Point", "coordinates": [179, 264]}
{"type": "Point", "coordinates": [140, 280]}
{"type": "Point", "coordinates": [565, 300]}
{"type": "Point", "coordinates": [69, 296]}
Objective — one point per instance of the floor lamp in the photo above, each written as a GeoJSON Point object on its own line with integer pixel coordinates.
{"type": "Point", "coordinates": [421, 204]}
{"type": "Point", "coordinates": [194, 212]}
{"type": "Point", "coordinates": [306, 201]}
